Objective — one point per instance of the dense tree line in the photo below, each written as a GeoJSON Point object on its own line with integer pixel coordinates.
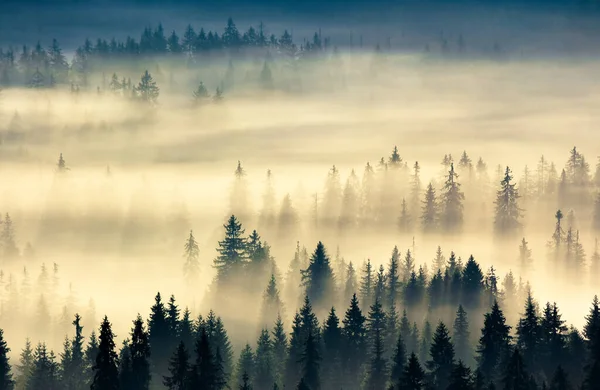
{"type": "Point", "coordinates": [174, 351]}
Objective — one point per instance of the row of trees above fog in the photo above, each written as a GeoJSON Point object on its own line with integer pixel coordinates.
{"type": "Point", "coordinates": [366, 349]}
{"type": "Point", "coordinates": [45, 67]}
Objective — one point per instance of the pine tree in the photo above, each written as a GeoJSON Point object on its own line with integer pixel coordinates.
{"type": "Point", "coordinates": [7, 239]}
{"type": "Point", "coordinates": [355, 337]}
{"type": "Point", "coordinates": [280, 346]}
{"type": "Point", "coordinates": [508, 212]}
{"type": "Point", "coordinates": [232, 250]}
{"type": "Point", "coordinates": [146, 90]}
{"type": "Point", "coordinates": [45, 374]}
{"type": "Point", "coordinates": [245, 364]}
{"type": "Point", "coordinates": [515, 376]}
{"type": "Point", "coordinates": [425, 342]}
{"type": "Point", "coordinates": [461, 378]}
{"type": "Point", "coordinates": [393, 278]}
{"type": "Point", "coordinates": [6, 377]}
{"type": "Point", "coordinates": [494, 342]}
{"type": "Point", "coordinates": [106, 369]}
{"type": "Point", "coordinates": [461, 336]}
{"type": "Point", "coordinates": [158, 335]}
{"type": "Point", "coordinates": [318, 278]}
{"type": "Point", "coordinates": [140, 353]}
{"type": "Point", "coordinates": [429, 213]}
{"type": "Point", "coordinates": [264, 374]}
{"type": "Point", "coordinates": [413, 377]}
{"type": "Point", "coordinates": [332, 351]}
{"type": "Point", "coordinates": [201, 95]}
{"type": "Point", "coordinates": [560, 380]}
{"type": "Point", "coordinates": [439, 262]}
{"type": "Point", "coordinates": [442, 357]}
{"type": "Point", "coordinates": [351, 283]}
{"type": "Point", "coordinates": [367, 284]}
{"type": "Point", "coordinates": [74, 377]}
{"type": "Point", "coordinates": [91, 352]}
{"type": "Point", "coordinates": [191, 267]}
{"type": "Point", "coordinates": [472, 283]}
{"type": "Point", "coordinates": [25, 366]}
{"type": "Point", "coordinates": [404, 221]}
{"type": "Point", "coordinates": [553, 338]}
{"type": "Point", "coordinates": [529, 333]}
{"type": "Point", "coordinates": [220, 344]}
{"type": "Point", "coordinates": [245, 383]}
{"type": "Point", "coordinates": [179, 367]}
{"type": "Point", "coordinates": [398, 361]}
{"type": "Point", "coordinates": [452, 203]}
{"type": "Point", "coordinates": [272, 305]}
{"type": "Point", "coordinates": [407, 268]}
{"type": "Point", "coordinates": [203, 374]}
{"type": "Point", "coordinates": [311, 363]}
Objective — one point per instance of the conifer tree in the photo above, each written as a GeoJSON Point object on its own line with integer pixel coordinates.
{"type": "Point", "coordinates": [461, 378]}
{"type": "Point", "coordinates": [461, 336]}
{"type": "Point", "coordinates": [201, 95]}
{"type": "Point", "coordinates": [508, 213]}
{"type": "Point", "coordinates": [429, 211]}
{"type": "Point", "coordinates": [494, 342]}
{"type": "Point", "coordinates": [272, 305]}
{"type": "Point", "coordinates": [398, 361]}
{"type": "Point", "coordinates": [74, 376]}
{"type": "Point", "coordinates": [264, 375]}
{"type": "Point", "coordinates": [332, 355]}
{"type": "Point", "coordinates": [367, 282]}
{"type": "Point", "coordinates": [596, 213]}
{"type": "Point", "coordinates": [404, 221]}
{"type": "Point", "coordinates": [25, 367]}
{"type": "Point", "coordinates": [106, 368]}
{"type": "Point", "coordinates": [232, 250]}
{"type": "Point", "coordinates": [280, 346]}
{"type": "Point", "coordinates": [203, 374]}
{"type": "Point", "coordinates": [140, 353]}
{"type": "Point", "coordinates": [442, 357]}
{"type": "Point", "coordinates": [191, 267]}
{"type": "Point", "coordinates": [186, 329]}
{"type": "Point", "coordinates": [179, 367]}
{"type": "Point", "coordinates": [6, 377]}
{"type": "Point", "coordinates": [91, 352]}
{"type": "Point", "coordinates": [472, 283]}
{"type": "Point", "coordinates": [452, 203]}
{"type": "Point", "coordinates": [425, 341]}
{"type": "Point", "coordinates": [553, 338]}
{"type": "Point", "coordinates": [439, 261]}
{"type": "Point", "coordinates": [515, 376]}
{"type": "Point", "coordinates": [351, 283]}
{"type": "Point", "coordinates": [318, 278]}
{"type": "Point", "coordinates": [413, 377]}
{"type": "Point", "coordinates": [355, 337]}
{"type": "Point", "coordinates": [219, 343]}
{"type": "Point", "coordinates": [158, 335]}
{"type": "Point", "coordinates": [245, 365]}
{"type": "Point", "coordinates": [529, 333]}
{"type": "Point", "coordinates": [311, 360]}
{"type": "Point", "coordinates": [147, 91]}
{"type": "Point", "coordinates": [407, 267]}
{"type": "Point", "coordinates": [45, 374]}
{"type": "Point", "coordinates": [560, 380]}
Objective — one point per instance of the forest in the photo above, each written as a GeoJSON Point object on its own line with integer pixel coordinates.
{"type": "Point", "coordinates": [242, 172]}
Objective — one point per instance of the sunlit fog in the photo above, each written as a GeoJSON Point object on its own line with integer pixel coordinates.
{"type": "Point", "coordinates": [436, 194]}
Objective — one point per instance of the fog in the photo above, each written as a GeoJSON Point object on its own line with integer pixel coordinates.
{"type": "Point", "coordinates": [110, 228]}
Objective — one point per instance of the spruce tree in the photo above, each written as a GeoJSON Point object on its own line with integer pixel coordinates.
{"type": "Point", "coordinates": [203, 374]}
{"type": "Point", "coordinates": [219, 343]}
{"type": "Point", "coordinates": [6, 378]}
{"type": "Point", "coordinates": [413, 377]}
{"type": "Point", "coordinates": [75, 375]}
{"type": "Point", "coordinates": [376, 328]}
{"type": "Point", "coordinates": [461, 336]}
{"type": "Point", "coordinates": [318, 278]}
{"type": "Point", "coordinates": [442, 357]}
{"type": "Point", "coordinates": [106, 368]}
{"type": "Point", "coordinates": [232, 250]}
{"type": "Point", "coordinates": [529, 333]}
{"type": "Point", "coordinates": [494, 342]}
{"type": "Point", "coordinates": [140, 353]}
{"type": "Point", "coordinates": [461, 378]}
{"type": "Point", "coordinates": [147, 91]}
{"type": "Point", "coordinates": [332, 351]}
{"type": "Point", "coordinates": [280, 346]}
{"type": "Point", "coordinates": [272, 305]}
{"type": "Point", "coordinates": [452, 203]}
{"type": "Point", "coordinates": [508, 213]}
{"type": "Point", "coordinates": [355, 338]}
{"type": "Point", "coordinates": [553, 338]}
{"type": "Point", "coordinates": [179, 367]}
{"type": "Point", "coordinates": [25, 366]}
{"type": "Point", "coordinates": [264, 374]}
{"type": "Point", "coordinates": [398, 361]}
{"type": "Point", "coordinates": [393, 278]}
{"type": "Point", "coordinates": [472, 283]}
{"type": "Point", "coordinates": [45, 374]}
{"type": "Point", "coordinates": [191, 266]}
{"type": "Point", "coordinates": [311, 360]}
{"type": "Point", "coordinates": [158, 336]}
{"type": "Point", "coordinates": [201, 95]}
{"type": "Point", "coordinates": [351, 282]}
{"type": "Point", "coordinates": [245, 365]}
{"type": "Point", "coordinates": [367, 282]}
{"type": "Point", "coordinates": [515, 375]}
{"type": "Point", "coordinates": [560, 380]}
{"type": "Point", "coordinates": [429, 210]}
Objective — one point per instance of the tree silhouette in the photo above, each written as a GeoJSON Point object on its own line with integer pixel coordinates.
{"type": "Point", "coordinates": [146, 90]}
{"type": "Point", "coordinates": [106, 369]}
